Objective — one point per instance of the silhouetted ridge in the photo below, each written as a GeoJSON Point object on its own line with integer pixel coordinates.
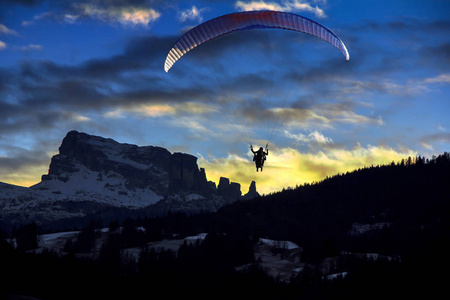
{"type": "Point", "coordinates": [405, 197]}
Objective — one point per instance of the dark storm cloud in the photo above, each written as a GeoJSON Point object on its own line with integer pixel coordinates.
{"type": "Point", "coordinates": [69, 3]}
{"type": "Point", "coordinates": [21, 157]}
{"type": "Point", "coordinates": [441, 50]}
{"type": "Point", "coordinates": [328, 70]}
{"type": "Point", "coordinates": [139, 54]}
{"type": "Point", "coordinates": [39, 94]}
{"type": "Point", "coordinates": [437, 56]}
{"type": "Point", "coordinates": [405, 24]}
{"type": "Point", "coordinates": [22, 2]}
{"type": "Point", "coordinates": [268, 43]}
{"type": "Point", "coordinates": [394, 45]}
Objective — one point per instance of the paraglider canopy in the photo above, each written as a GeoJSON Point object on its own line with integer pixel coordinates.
{"type": "Point", "coordinates": [245, 21]}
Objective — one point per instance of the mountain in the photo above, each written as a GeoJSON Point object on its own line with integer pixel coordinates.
{"type": "Point", "coordinates": [92, 173]}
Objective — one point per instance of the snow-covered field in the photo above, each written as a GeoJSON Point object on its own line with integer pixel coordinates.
{"type": "Point", "coordinates": [55, 241]}
{"type": "Point", "coordinates": [279, 259]}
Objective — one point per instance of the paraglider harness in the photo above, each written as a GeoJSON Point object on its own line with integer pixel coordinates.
{"type": "Point", "coordinates": [259, 156]}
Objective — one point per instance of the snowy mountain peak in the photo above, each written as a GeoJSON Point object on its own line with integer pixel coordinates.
{"type": "Point", "coordinates": [89, 167]}
{"type": "Point", "coordinates": [91, 172]}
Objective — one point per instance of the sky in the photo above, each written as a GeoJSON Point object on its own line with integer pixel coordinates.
{"type": "Point", "coordinates": [97, 66]}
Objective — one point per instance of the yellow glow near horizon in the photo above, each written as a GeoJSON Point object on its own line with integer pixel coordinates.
{"type": "Point", "coordinates": [26, 178]}
{"type": "Point", "coordinates": [288, 167]}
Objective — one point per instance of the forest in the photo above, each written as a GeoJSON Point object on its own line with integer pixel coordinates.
{"type": "Point", "coordinates": [410, 199]}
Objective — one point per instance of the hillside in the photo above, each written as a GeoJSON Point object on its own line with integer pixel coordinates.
{"type": "Point", "coordinates": [404, 200]}
{"type": "Point", "coordinates": [375, 232]}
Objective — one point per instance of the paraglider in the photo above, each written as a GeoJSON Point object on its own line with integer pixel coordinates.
{"type": "Point", "coordinates": [245, 21]}
{"type": "Point", "coordinates": [249, 20]}
{"type": "Point", "coordinates": [259, 156]}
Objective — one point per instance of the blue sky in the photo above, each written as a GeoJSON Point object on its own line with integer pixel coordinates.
{"type": "Point", "coordinates": [97, 66]}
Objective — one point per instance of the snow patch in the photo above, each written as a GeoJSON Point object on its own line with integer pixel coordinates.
{"type": "Point", "coordinates": [359, 229]}
{"type": "Point", "coordinates": [86, 185]}
{"type": "Point", "coordinates": [279, 244]}
{"type": "Point", "coordinates": [193, 239]}
{"type": "Point", "coordinates": [191, 197]}
{"type": "Point", "coordinates": [335, 276]}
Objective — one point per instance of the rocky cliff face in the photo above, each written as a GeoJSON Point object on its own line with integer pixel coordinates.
{"type": "Point", "coordinates": [152, 168]}
{"type": "Point", "coordinates": [91, 173]}
{"type": "Point", "coordinates": [230, 191]}
{"type": "Point", "coordinates": [252, 192]}
{"type": "Point", "coordinates": [185, 176]}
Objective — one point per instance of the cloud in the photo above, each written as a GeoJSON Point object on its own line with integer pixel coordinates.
{"type": "Point", "coordinates": [70, 19]}
{"type": "Point", "coordinates": [25, 2]}
{"type": "Point", "coordinates": [31, 47]}
{"type": "Point", "coordinates": [443, 78]}
{"type": "Point", "coordinates": [327, 115]}
{"type": "Point", "coordinates": [35, 93]}
{"type": "Point", "coordinates": [192, 14]}
{"type": "Point", "coordinates": [287, 6]}
{"type": "Point", "coordinates": [44, 16]}
{"type": "Point", "coordinates": [397, 87]}
{"type": "Point", "coordinates": [76, 117]}
{"type": "Point", "coordinates": [428, 140]}
{"type": "Point", "coordinates": [199, 130]}
{"type": "Point", "coordinates": [343, 113]}
{"type": "Point", "coordinates": [126, 15]}
{"type": "Point", "coordinates": [314, 136]}
{"type": "Point", "coordinates": [155, 110]}
{"type": "Point", "coordinates": [121, 12]}
{"type": "Point", "coordinates": [6, 30]}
